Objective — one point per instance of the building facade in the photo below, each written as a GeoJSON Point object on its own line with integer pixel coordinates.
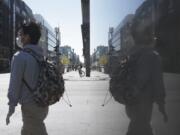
{"type": "Point", "coordinates": [165, 21]}
{"type": "Point", "coordinates": [68, 57]}
{"type": "Point", "coordinates": [12, 14]}
{"type": "Point", "coordinates": [48, 39]}
{"type": "Point", "coordinates": [99, 58]}
{"type": "Point", "coordinates": [164, 17]}
{"type": "Point", "coordinates": [119, 37]}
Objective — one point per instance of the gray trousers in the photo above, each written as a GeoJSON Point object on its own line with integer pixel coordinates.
{"type": "Point", "coordinates": [140, 118]}
{"type": "Point", "coordinates": [33, 120]}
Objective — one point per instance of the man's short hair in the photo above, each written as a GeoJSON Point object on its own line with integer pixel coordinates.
{"type": "Point", "coordinates": [33, 30]}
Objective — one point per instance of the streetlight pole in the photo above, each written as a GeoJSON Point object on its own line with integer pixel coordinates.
{"type": "Point", "coordinates": [57, 31]}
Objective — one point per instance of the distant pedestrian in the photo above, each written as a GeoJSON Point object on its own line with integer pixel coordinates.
{"type": "Point", "coordinates": [81, 72]}
{"type": "Point", "coordinates": [24, 66]}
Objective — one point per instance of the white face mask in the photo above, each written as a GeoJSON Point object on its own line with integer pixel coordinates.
{"type": "Point", "coordinates": [18, 42]}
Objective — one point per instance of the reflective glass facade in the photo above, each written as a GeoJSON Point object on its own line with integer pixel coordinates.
{"type": "Point", "coordinates": [48, 37]}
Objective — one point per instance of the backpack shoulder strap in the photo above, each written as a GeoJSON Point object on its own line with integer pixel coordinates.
{"type": "Point", "coordinates": [32, 53]}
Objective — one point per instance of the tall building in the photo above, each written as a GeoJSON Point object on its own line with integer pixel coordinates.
{"type": "Point", "coordinates": [48, 39]}
{"type": "Point", "coordinates": [119, 36]}
{"type": "Point", "coordinates": [165, 20]}
{"type": "Point", "coordinates": [99, 58]}
{"type": "Point", "coordinates": [12, 14]}
{"type": "Point", "coordinates": [68, 56]}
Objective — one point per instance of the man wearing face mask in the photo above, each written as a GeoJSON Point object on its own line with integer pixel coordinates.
{"type": "Point", "coordinates": [24, 66]}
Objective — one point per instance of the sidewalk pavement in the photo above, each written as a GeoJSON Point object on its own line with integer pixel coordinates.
{"type": "Point", "coordinates": [87, 116]}
{"type": "Point", "coordinates": [172, 86]}
{"type": "Point", "coordinates": [95, 76]}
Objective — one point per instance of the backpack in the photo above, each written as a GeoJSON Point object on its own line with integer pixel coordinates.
{"type": "Point", "coordinates": [50, 84]}
{"type": "Point", "coordinates": [122, 80]}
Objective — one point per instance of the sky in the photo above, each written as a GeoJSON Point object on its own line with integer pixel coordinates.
{"type": "Point", "coordinates": [67, 15]}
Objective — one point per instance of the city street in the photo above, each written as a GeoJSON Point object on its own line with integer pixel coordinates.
{"type": "Point", "coordinates": [87, 116]}
{"type": "Point", "coordinates": [94, 34]}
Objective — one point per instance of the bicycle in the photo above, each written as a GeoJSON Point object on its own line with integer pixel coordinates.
{"type": "Point", "coordinates": [81, 72]}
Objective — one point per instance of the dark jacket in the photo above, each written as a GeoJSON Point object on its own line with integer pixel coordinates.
{"type": "Point", "coordinates": [149, 77]}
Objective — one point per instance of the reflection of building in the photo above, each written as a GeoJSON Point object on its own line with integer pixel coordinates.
{"type": "Point", "coordinates": [120, 41]}
{"type": "Point", "coordinates": [165, 25]}
{"type": "Point", "coordinates": [100, 51]}
{"type": "Point", "coordinates": [48, 37]}
{"type": "Point", "coordinates": [68, 56]}
{"type": "Point", "coordinates": [167, 15]}
{"type": "Point", "coordinates": [100, 57]}
{"type": "Point", "coordinates": [164, 21]}
{"type": "Point", "coordinates": [119, 37]}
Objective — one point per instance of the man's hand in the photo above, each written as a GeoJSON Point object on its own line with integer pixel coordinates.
{"type": "Point", "coordinates": [163, 111]}
{"type": "Point", "coordinates": [10, 113]}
